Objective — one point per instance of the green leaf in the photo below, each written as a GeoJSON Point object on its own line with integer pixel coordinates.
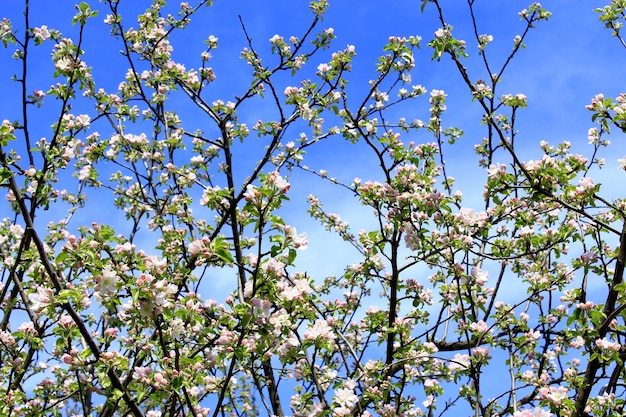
{"type": "Point", "coordinates": [5, 174]}
{"type": "Point", "coordinates": [85, 354]}
{"type": "Point", "coordinates": [225, 255]}
{"type": "Point", "coordinates": [242, 309]}
{"type": "Point", "coordinates": [574, 317]}
{"type": "Point", "coordinates": [60, 257]}
{"type": "Point", "coordinates": [66, 296]}
{"type": "Point", "coordinates": [292, 256]}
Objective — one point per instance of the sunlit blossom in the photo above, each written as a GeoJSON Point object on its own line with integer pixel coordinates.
{"type": "Point", "coordinates": [40, 299]}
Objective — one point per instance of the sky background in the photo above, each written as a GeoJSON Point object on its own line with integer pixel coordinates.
{"type": "Point", "coordinates": [568, 60]}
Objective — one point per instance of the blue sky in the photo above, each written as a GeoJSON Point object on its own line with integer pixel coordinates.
{"type": "Point", "coordinates": [567, 61]}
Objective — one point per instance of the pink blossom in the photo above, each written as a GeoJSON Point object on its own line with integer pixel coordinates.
{"type": "Point", "coordinates": [589, 257]}
{"type": "Point", "coordinates": [107, 282]}
{"type": "Point", "coordinates": [429, 401]}
{"type": "Point", "coordinates": [606, 344]}
{"type": "Point", "coordinates": [535, 412]}
{"type": "Point", "coordinates": [597, 103]}
{"type": "Point", "coordinates": [160, 380]}
{"type": "Point", "coordinates": [41, 33]}
{"type": "Point", "coordinates": [577, 343]}
{"type": "Point", "coordinates": [480, 326]}
{"type": "Point", "coordinates": [274, 267]}
{"type": "Point", "coordinates": [40, 299]}
{"type": "Point", "coordinates": [225, 338]}
{"type": "Point", "coordinates": [468, 217]}
{"type": "Point", "coordinates": [588, 305]}
{"type": "Point", "coordinates": [319, 330]}
{"type": "Point", "coordinates": [459, 362]}
{"type": "Point", "coordinates": [593, 135]}
{"type": "Point", "coordinates": [279, 182]}
{"type": "Point", "coordinates": [496, 170]}
{"type": "Point", "coordinates": [480, 275]}
{"type": "Point", "coordinates": [300, 241]}
{"type": "Point", "coordinates": [66, 321]}
{"type": "Point", "coordinates": [555, 395]}
{"type": "Point", "coordinates": [526, 231]}
{"type": "Point", "coordinates": [195, 247]}
{"type": "Point", "coordinates": [290, 90]}
{"type": "Point", "coordinates": [252, 194]}
{"type": "Point", "coordinates": [111, 332]}
{"type": "Point", "coordinates": [63, 64]}
{"type": "Point", "coordinates": [481, 352]}
{"type": "Point", "coordinates": [323, 68]}
{"type": "Point", "coordinates": [262, 309]}
{"type": "Point", "coordinates": [345, 397]}
{"type": "Point", "coordinates": [584, 184]}
{"type": "Point", "coordinates": [276, 38]}
{"type": "Point", "coordinates": [341, 411]}
{"type": "Point", "coordinates": [141, 373]}
{"type": "Point", "coordinates": [437, 95]}
{"type": "Point", "coordinates": [295, 290]}
{"type": "Point", "coordinates": [84, 172]}
{"type": "Point", "coordinates": [6, 338]}
{"type": "Point", "coordinates": [430, 383]}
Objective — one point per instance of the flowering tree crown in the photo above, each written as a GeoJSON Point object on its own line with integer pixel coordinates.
{"type": "Point", "coordinates": [102, 317]}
